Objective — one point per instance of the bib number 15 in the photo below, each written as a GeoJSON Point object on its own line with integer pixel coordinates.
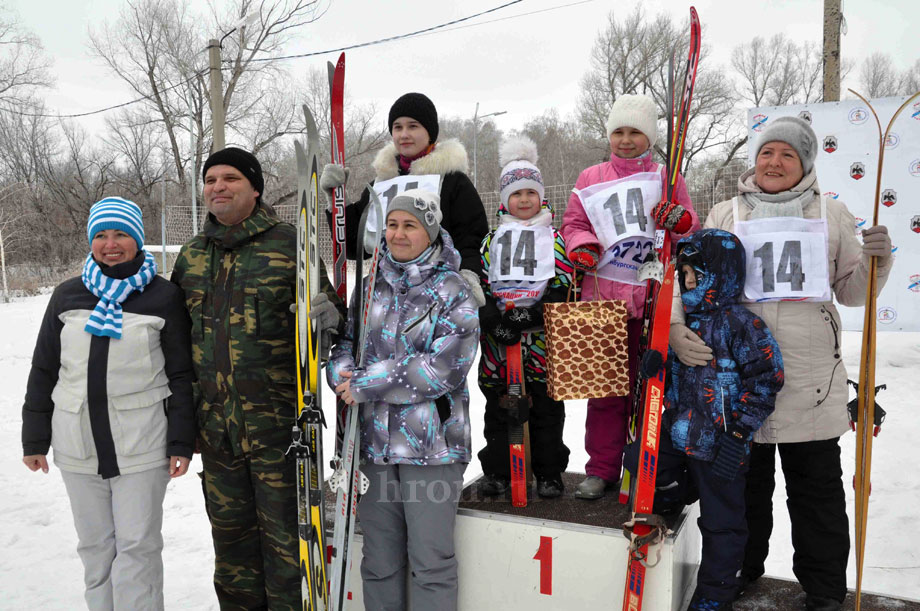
{"type": "Point", "coordinates": [788, 270]}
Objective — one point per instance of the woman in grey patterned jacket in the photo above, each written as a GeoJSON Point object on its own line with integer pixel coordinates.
{"type": "Point", "coordinates": [422, 335]}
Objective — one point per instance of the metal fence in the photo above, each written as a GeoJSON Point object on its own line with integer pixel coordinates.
{"type": "Point", "coordinates": [712, 189]}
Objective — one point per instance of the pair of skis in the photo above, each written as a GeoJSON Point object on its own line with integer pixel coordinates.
{"type": "Point", "coordinates": [307, 433]}
{"type": "Point", "coordinates": [645, 528]}
{"type": "Point", "coordinates": [516, 402]}
{"type": "Point", "coordinates": [347, 481]}
{"type": "Point", "coordinates": [866, 418]}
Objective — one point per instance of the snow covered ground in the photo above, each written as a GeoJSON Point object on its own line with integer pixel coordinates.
{"type": "Point", "coordinates": [39, 567]}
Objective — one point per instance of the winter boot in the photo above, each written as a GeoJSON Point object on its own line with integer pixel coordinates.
{"type": "Point", "coordinates": [593, 487]}
{"type": "Point", "coordinates": [821, 603]}
{"type": "Point", "coordinates": [493, 485]}
{"type": "Point", "coordinates": [744, 582]}
{"type": "Point", "coordinates": [550, 487]}
{"type": "Point", "coordinates": [700, 603]}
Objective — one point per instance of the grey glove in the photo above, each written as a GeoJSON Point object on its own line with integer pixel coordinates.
{"type": "Point", "coordinates": [877, 243]}
{"type": "Point", "coordinates": [687, 345]}
{"type": "Point", "coordinates": [327, 316]}
{"type": "Point", "coordinates": [473, 281]}
{"type": "Point", "coordinates": [333, 177]}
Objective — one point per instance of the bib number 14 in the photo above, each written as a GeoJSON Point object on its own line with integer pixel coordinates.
{"type": "Point", "coordinates": [788, 270]}
{"type": "Point", "coordinates": [524, 255]}
{"type": "Point", "coordinates": [634, 214]}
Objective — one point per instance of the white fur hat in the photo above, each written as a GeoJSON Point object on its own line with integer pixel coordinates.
{"type": "Point", "coordinates": [518, 156]}
{"type": "Point", "coordinates": [636, 111]}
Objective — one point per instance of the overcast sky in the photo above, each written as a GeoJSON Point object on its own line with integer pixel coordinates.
{"type": "Point", "coordinates": [523, 59]}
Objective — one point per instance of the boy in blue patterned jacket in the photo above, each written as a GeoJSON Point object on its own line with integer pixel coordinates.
{"type": "Point", "coordinates": [712, 411]}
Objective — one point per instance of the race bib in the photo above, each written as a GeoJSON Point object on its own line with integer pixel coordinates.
{"type": "Point", "coordinates": [523, 253]}
{"type": "Point", "coordinates": [388, 189]}
{"type": "Point", "coordinates": [786, 259]}
{"type": "Point", "coordinates": [621, 261]}
{"type": "Point", "coordinates": [622, 209]}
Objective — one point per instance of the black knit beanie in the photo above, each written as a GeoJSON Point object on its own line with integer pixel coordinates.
{"type": "Point", "coordinates": [416, 106]}
{"type": "Point", "coordinates": [243, 161]}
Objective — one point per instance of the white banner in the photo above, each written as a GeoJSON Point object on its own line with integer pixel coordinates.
{"type": "Point", "coordinates": [846, 164]}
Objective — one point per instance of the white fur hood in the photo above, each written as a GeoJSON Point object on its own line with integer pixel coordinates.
{"type": "Point", "coordinates": [447, 156]}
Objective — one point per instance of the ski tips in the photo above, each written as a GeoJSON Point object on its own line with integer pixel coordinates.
{"type": "Point", "coordinates": [312, 131]}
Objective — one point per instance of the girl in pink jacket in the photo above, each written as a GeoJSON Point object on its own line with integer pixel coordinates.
{"type": "Point", "coordinates": [609, 227]}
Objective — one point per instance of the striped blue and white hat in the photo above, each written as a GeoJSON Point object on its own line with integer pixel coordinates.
{"type": "Point", "coordinates": [116, 213]}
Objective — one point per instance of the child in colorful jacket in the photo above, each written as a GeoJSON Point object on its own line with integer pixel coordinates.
{"type": "Point", "coordinates": [422, 332]}
{"type": "Point", "coordinates": [608, 228]}
{"type": "Point", "coordinates": [524, 265]}
{"type": "Point", "coordinates": [712, 411]}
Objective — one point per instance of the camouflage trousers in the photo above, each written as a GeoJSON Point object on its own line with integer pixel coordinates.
{"type": "Point", "coordinates": [251, 503]}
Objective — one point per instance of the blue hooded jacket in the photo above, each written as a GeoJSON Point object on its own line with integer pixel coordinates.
{"type": "Point", "coordinates": [737, 388]}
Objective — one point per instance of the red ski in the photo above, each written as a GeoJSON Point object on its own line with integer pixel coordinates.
{"type": "Point", "coordinates": [337, 145]}
{"type": "Point", "coordinates": [515, 402]}
{"type": "Point", "coordinates": [645, 528]}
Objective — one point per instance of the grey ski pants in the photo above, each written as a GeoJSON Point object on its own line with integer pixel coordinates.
{"type": "Point", "coordinates": [118, 522]}
{"type": "Point", "coordinates": [407, 517]}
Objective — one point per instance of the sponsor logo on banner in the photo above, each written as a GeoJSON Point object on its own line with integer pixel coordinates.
{"type": "Point", "coordinates": [759, 121]}
{"type": "Point", "coordinates": [857, 170]}
{"type": "Point", "coordinates": [858, 116]}
{"type": "Point", "coordinates": [805, 116]}
{"type": "Point", "coordinates": [914, 168]}
{"type": "Point", "coordinates": [914, 283]}
{"type": "Point", "coordinates": [887, 315]}
{"type": "Point", "coordinates": [915, 224]}
{"type": "Point", "coordinates": [916, 111]}
{"type": "Point", "coordinates": [830, 144]}
{"type": "Point", "coordinates": [831, 194]}
{"type": "Point", "coordinates": [860, 223]}
{"type": "Point", "coordinates": [892, 141]}
{"type": "Point", "coordinates": [889, 197]}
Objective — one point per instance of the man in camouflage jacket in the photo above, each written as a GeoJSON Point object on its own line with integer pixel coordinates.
{"type": "Point", "coordinates": [238, 275]}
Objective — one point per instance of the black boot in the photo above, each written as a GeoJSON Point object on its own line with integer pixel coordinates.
{"type": "Point", "coordinates": [821, 603]}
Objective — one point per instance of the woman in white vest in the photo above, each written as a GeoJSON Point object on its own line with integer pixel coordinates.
{"type": "Point", "coordinates": [801, 249]}
{"type": "Point", "coordinates": [110, 391]}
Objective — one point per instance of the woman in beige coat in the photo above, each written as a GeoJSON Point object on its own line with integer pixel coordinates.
{"type": "Point", "coordinates": [786, 226]}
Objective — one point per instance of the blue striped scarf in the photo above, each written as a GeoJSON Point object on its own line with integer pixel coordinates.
{"type": "Point", "coordinates": [105, 319]}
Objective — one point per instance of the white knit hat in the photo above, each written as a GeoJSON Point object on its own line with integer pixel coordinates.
{"type": "Point", "coordinates": [636, 111]}
{"type": "Point", "coordinates": [518, 156]}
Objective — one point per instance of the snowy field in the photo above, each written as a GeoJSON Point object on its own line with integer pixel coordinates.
{"type": "Point", "coordinates": [39, 567]}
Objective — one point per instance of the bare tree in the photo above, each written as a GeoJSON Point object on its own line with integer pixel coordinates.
{"type": "Point", "coordinates": [632, 56]}
{"type": "Point", "coordinates": [157, 48]}
{"type": "Point", "coordinates": [878, 77]}
{"type": "Point", "coordinates": [911, 79]}
{"type": "Point", "coordinates": [23, 64]}
{"type": "Point", "coordinates": [778, 71]}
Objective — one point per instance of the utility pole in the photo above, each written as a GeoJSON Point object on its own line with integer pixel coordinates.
{"type": "Point", "coordinates": [217, 95]}
{"type": "Point", "coordinates": [476, 118]}
{"type": "Point", "coordinates": [217, 83]}
{"type": "Point", "coordinates": [831, 56]}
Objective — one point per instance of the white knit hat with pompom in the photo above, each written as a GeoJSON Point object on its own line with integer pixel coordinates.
{"type": "Point", "coordinates": [518, 156]}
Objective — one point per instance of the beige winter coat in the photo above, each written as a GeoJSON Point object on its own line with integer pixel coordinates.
{"type": "Point", "coordinates": [812, 404]}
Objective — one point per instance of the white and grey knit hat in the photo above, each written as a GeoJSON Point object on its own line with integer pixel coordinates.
{"type": "Point", "coordinates": [518, 156]}
{"type": "Point", "coordinates": [795, 132]}
{"type": "Point", "coordinates": [636, 111]}
{"type": "Point", "coordinates": [423, 205]}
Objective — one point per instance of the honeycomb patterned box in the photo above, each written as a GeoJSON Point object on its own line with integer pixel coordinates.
{"type": "Point", "coordinates": [586, 349]}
